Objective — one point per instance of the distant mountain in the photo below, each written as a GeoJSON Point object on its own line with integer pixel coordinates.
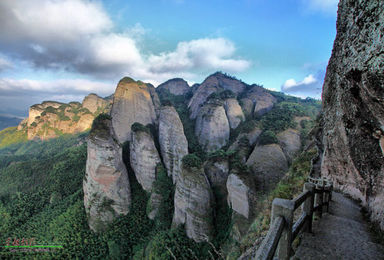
{"type": "Point", "coordinates": [8, 121]}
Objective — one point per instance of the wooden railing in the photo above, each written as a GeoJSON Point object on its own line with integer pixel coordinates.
{"type": "Point", "coordinates": [317, 193]}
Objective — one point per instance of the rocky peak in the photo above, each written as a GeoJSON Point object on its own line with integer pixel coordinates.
{"type": "Point", "coordinates": [93, 103]}
{"type": "Point", "coordinates": [132, 102]}
{"type": "Point", "coordinates": [175, 86]}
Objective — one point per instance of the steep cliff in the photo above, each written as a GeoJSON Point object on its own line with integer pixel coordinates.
{"type": "Point", "coordinates": [106, 186]}
{"type": "Point", "coordinates": [353, 113]}
{"type": "Point", "coordinates": [132, 102]}
{"type": "Point", "coordinates": [143, 156]}
{"type": "Point", "coordinates": [177, 87]}
{"type": "Point", "coordinates": [234, 112]}
{"type": "Point", "coordinates": [173, 143]}
{"type": "Point", "coordinates": [193, 203]}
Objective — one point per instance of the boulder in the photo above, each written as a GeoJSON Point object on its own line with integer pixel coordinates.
{"type": "Point", "coordinates": [268, 164]}
{"type": "Point", "coordinates": [173, 143]}
{"type": "Point", "coordinates": [217, 171]}
{"type": "Point", "coordinates": [290, 142]}
{"type": "Point", "coordinates": [177, 87]}
{"type": "Point", "coordinates": [106, 187]}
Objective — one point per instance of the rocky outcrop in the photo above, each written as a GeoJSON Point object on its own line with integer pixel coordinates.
{"type": "Point", "coordinates": [143, 156]}
{"type": "Point", "coordinates": [241, 194]}
{"type": "Point", "coordinates": [94, 103]}
{"type": "Point", "coordinates": [212, 127]}
{"type": "Point", "coordinates": [51, 119]}
{"type": "Point", "coordinates": [353, 105]}
{"type": "Point", "coordinates": [268, 164]}
{"type": "Point", "coordinates": [217, 171]}
{"type": "Point", "coordinates": [262, 101]}
{"type": "Point", "coordinates": [193, 204]}
{"type": "Point", "coordinates": [173, 143]}
{"type": "Point", "coordinates": [177, 87]}
{"type": "Point", "coordinates": [213, 83]}
{"type": "Point", "coordinates": [246, 139]}
{"type": "Point", "coordinates": [290, 142]}
{"type": "Point", "coordinates": [234, 112]}
{"type": "Point", "coordinates": [132, 103]}
{"type": "Point", "coordinates": [153, 205]}
{"type": "Point", "coordinates": [106, 186]}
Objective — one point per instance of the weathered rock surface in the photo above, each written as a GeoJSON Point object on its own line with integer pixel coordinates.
{"type": "Point", "coordinates": [51, 119]}
{"type": "Point", "coordinates": [93, 103]}
{"type": "Point", "coordinates": [153, 205]}
{"type": "Point", "coordinates": [143, 158]}
{"type": "Point", "coordinates": [246, 139]}
{"type": "Point", "coordinates": [212, 127]}
{"type": "Point", "coordinates": [261, 99]}
{"type": "Point", "coordinates": [217, 172]}
{"type": "Point", "coordinates": [132, 103]}
{"type": "Point", "coordinates": [106, 186]}
{"type": "Point", "coordinates": [290, 142]}
{"type": "Point", "coordinates": [269, 164]}
{"type": "Point", "coordinates": [193, 204]}
{"type": "Point", "coordinates": [173, 143]}
{"type": "Point", "coordinates": [213, 83]}
{"type": "Point", "coordinates": [234, 112]}
{"type": "Point", "coordinates": [241, 194]}
{"type": "Point", "coordinates": [176, 87]}
{"type": "Point", "coordinates": [353, 105]}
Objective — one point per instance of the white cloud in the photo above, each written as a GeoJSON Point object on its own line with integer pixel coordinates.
{"type": "Point", "coordinates": [325, 6]}
{"type": "Point", "coordinates": [79, 36]}
{"type": "Point", "coordinates": [4, 64]}
{"type": "Point", "coordinates": [310, 86]}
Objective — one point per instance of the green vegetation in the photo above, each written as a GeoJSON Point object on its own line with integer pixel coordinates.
{"type": "Point", "coordinates": [222, 95]}
{"type": "Point", "coordinates": [192, 161]}
{"type": "Point", "coordinates": [268, 137]}
{"type": "Point", "coordinates": [100, 126]}
{"type": "Point", "coordinates": [220, 155]}
{"type": "Point", "coordinates": [137, 127]}
{"type": "Point", "coordinates": [10, 136]}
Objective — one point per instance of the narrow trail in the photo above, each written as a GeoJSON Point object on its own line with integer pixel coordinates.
{"type": "Point", "coordinates": [340, 234]}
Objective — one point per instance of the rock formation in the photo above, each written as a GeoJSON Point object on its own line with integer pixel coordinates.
{"type": "Point", "coordinates": [290, 142]}
{"type": "Point", "coordinates": [213, 83]}
{"type": "Point", "coordinates": [353, 105]}
{"type": "Point", "coordinates": [175, 87]}
{"type": "Point", "coordinates": [51, 119]}
{"type": "Point", "coordinates": [241, 194]}
{"type": "Point", "coordinates": [234, 112]}
{"type": "Point", "coordinates": [143, 156]}
{"type": "Point", "coordinates": [94, 103]}
{"type": "Point", "coordinates": [268, 163]}
{"type": "Point", "coordinates": [106, 186]}
{"type": "Point", "coordinates": [212, 127]}
{"type": "Point", "coordinates": [173, 143]}
{"type": "Point", "coordinates": [132, 103]}
{"type": "Point", "coordinates": [257, 101]}
{"type": "Point", "coordinates": [217, 171]}
{"type": "Point", "coordinates": [193, 204]}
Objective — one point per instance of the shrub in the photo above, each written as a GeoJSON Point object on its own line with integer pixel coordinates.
{"type": "Point", "coordinates": [34, 124]}
{"type": "Point", "coordinates": [220, 154]}
{"type": "Point", "coordinates": [137, 127]}
{"type": "Point", "coordinates": [100, 127]}
{"type": "Point", "coordinates": [192, 161]}
{"type": "Point", "coordinates": [267, 137]}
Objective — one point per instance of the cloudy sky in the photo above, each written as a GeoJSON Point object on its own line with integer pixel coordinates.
{"type": "Point", "coordinates": [64, 49]}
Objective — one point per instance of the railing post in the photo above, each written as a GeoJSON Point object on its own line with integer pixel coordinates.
{"type": "Point", "coordinates": [319, 199]}
{"type": "Point", "coordinates": [308, 204]}
{"type": "Point", "coordinates": [284, 208]}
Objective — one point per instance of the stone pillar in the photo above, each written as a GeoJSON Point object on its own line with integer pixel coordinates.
{"type": "Point", "coordinates": [308, 204]}
{"type": "Point", "coordinates": [319, 200]}
{"type": "Point", "coordinates": [285, 209]}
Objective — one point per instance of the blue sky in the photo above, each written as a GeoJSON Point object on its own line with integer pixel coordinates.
{"type": "Point", "coordinates": [62, 50]}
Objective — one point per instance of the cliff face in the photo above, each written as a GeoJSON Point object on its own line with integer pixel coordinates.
{"type": "Point", "coordinates": [193, 204]}
{"type": "Point", "coordinates": [173, 143]}
{"type": "Point", "coordinates": [106, 186]}
{"type": "Point", "coordinates": [51, 119]}
{"type": "Point", "coordinates": [175, 87]}
{"type": "Point", "coordinates": [132, 103]}
{"type": "Point", "coordinates": [353, 113]}
{"type": "Point", "coordinates": [144, 157]}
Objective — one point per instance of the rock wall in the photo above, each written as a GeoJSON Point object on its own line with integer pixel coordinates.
{"type": "Point", "coordinates": [212, 127]}
{"type": "Point", "coordinates": [143, 158]}
{"type": "Point", "coordinates": [173, 143]}
{"type": "Point", "coordinates": [106, 187]}
{"type": "Point", "coordinates": [176, 87]}
{"type": "Point", "coordinates": [193, 204]}
{"type": "Point", "coordinates": [353, 105]}
{"type": "Point", "coordinates": [234, 112]}
{"type": "Point", "coordinates": [132, 103]}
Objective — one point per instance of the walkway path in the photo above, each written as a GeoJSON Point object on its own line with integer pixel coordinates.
{"type": "Point", "coordinates": [340, 234]}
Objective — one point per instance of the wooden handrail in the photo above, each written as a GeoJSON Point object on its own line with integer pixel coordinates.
{"type": "Point", "coordinates": [316, 194]}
